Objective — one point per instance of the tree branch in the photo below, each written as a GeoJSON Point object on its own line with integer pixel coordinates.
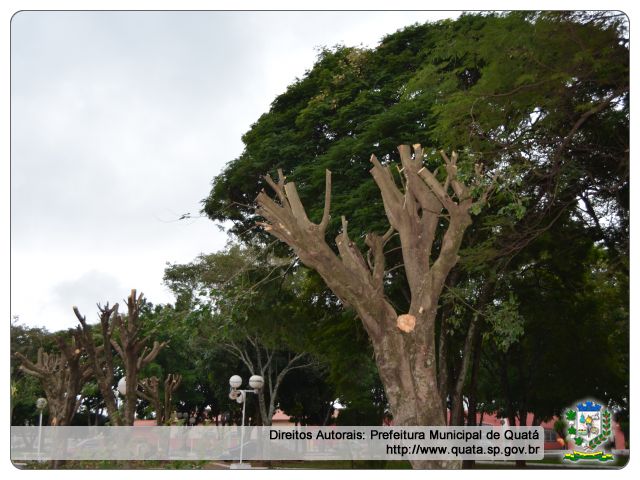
{"type": "Point", "coordinates": [327, 204]}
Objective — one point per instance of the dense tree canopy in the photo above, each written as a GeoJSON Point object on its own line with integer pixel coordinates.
{"type": "Point", "coordinates": [528, 94]}
{"type": "Point", "coordinates": [540, 99]}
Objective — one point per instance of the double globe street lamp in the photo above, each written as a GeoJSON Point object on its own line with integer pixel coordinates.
{"type": "Point", "coordinates": [256, 382]}
{"type": "Point", "coordinates": [41, 404]}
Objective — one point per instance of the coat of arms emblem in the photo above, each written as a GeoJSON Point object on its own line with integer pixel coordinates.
{"type": "Point", "coordinates": [589, 428]}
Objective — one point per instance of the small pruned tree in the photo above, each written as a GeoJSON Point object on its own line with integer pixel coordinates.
{"type": "Point", "coordinates": [125, 336]}
{"type": "Point", "coordinates": [132, 347]}
{"type": "Point", "coordinates": [149, 390]}
{"type": "Point", "coordinates": [62, 376]}
{"type": "Point", "coordinates": [101, 356]}
{"type": "Point", "coordinates": [404, 343]}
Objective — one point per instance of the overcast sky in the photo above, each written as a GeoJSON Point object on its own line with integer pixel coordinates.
{"type": "Point", "coordinates": [120, 120]}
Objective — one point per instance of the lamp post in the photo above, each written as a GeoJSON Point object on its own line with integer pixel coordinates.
{"type": "Point", "coordinates": [41, 403]}
{"type": "Point", "coordinates": [256, 382]}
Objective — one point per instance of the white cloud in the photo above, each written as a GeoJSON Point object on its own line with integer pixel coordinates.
{"type": "Point", "coordinates": [100, 286]}
{"type": "Point", "coordinates": [119, 122]}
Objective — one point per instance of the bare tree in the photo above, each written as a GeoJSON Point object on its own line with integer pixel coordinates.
{"type": "Point", "coordinates": [404, 343]}
{"type": "Point", "coordinates": [132, 347]}
{"type": "Point", "coordinates": [262, 360]}
{"type": "Point", "coordinates": [125, 336]}
{"type": "Point", "coordinates": [149, 389]}
{"type": "Point", "coordinates": [101, 356]}
{"type": "Point", "coordinates": [62, 377]}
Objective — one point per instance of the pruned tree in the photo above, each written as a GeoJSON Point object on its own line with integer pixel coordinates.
{"type": "Point", "coordinates": [270, 364]}
{"type": "Point", "coordinates": [404, 343]}
{"type": "Point", "coordinates": [125, 336]}
{"type": "Point", "coordinates": [131, 346]}
{"type": "Point", "coordinates": [149, 390]}
{"type": "Point", "coordinates": [101, 356]}
{"type": "Point", "coordinates": [62, 376]}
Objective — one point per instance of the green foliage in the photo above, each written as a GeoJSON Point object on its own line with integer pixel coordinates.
{"type": "Point", "coordinates": [504, 89]}
{"type": "Point", "coordinates": [541, 100]}
{"type": "Point", "coordinates": [189, 353]}
{"type": "Point", "coordinates": [505, 324]}
{"type": "Point", "coordinates": [569, 314]}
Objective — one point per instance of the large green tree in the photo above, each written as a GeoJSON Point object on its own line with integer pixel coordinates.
{"type": "Point", "coordinates": [541, 99]}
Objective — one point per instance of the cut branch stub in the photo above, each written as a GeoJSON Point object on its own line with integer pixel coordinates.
{"type": "Point", "coordinates": [406, 322]}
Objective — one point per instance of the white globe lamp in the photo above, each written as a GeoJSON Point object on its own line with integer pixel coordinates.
{"type": "Point", "coordinates": [256, 382]}
{"type": "Point", "coordinates": [235, 381]}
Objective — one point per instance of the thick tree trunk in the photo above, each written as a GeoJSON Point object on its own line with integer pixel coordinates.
{"type": "Point", "coordinates": [407, 368]}
{"type": "Point", "coordinates": [131, 396]}
{"type": "Point", "coordinates": [410, 382]}
{"type": "Point", "coordinates": [111, 403]}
